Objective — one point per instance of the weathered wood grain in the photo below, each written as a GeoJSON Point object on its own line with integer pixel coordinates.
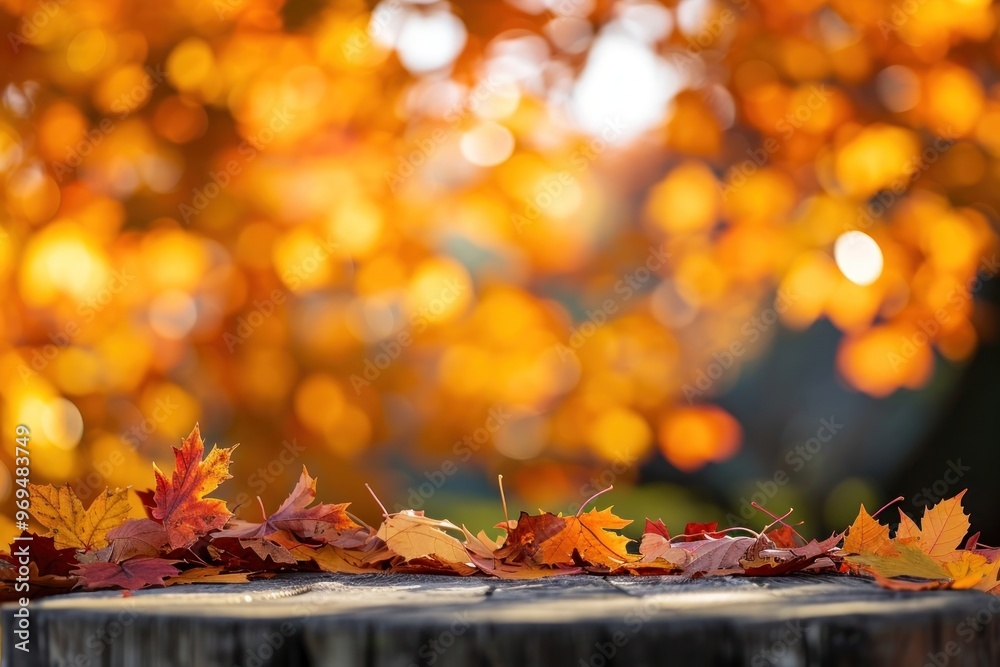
{"type": "Point", "coordinates": [403, 620]}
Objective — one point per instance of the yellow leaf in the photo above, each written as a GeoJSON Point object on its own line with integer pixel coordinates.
{"type": "Point", "coordinates": [943, 527]}
{"type": "Point", "coordinates": [989, 582]}
{"type": "Point", "coordinates": [334, 559]}
{"type": "Point", "coordinates": [907, 561]}
{"type": "Point", "coordinates": [207, 575]}
{"type": "Point", "coordinates": [968, 569]}
{"type": "Point", "coordinates": [60, 510]}
{"type": "Point", "coordinates": [413, 536]}
{"type": "Point", "coordinates": [480, 545]}
{"type": "Point", "coordinates": [868, 536]}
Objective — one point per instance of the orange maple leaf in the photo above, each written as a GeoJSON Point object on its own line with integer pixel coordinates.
{"type": "Point", "coordinates": [867, 536]}
{"type": "Point", "coordinates": [590, 536]}
{"type": "Point", "coordinates": [943, 527]}
{"type": "Point", "coordinates": [180, 503]}
{"type": "Point", "coordinates": [907, 530]}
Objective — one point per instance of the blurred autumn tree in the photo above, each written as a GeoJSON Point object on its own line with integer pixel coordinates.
{"type": "Point", "coordinates": [542, 236]}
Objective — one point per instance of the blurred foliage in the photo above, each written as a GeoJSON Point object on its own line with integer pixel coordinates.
{"type": "Point", "coordinates": [529, 236]}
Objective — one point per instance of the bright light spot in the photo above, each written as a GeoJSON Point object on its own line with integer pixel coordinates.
{"type": "Point", "coordinates": [488, 144]}
{"type": "Point", "coordinates": [172, 314]}
{"type": "Point", "coordinates": [647, 22]}
{"type": "Point", "coordinates": [386, 22]}
{"type": "Point", "coordinates": [62, 423]}
{"type": "Point", "coordinates": [519, 59]}
{"type": "Point", "coordinates": [693, 15]}
{"type": "Point", "coordinates": [618, 107]}
{"type": "Point", "coordinates": [500, 102]}
{"type": "Point", "coordinates": [430, 41]}
{"type": "Point", "coordinates": [858, 257]}
{"type": "Point", "coordinates": [69, 264]}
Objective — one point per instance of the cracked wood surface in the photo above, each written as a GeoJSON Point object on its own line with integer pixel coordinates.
{"type": "Point", "coordinates": [324, 620]}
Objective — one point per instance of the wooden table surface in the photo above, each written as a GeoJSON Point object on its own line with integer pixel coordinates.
{"type": "Point", "coordinates": [403, 620]}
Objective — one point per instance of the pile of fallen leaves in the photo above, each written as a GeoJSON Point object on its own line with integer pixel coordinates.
{"type": "Point", "coordinates": [189, 538]}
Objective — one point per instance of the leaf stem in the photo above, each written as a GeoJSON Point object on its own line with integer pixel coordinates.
{"type": "Point", "coordinates": [263, 512]}
{"type": "Point", "coordinates": [587, 502]}
{"type": "Point", "coordinates": [720, 530]}
{"type": "Point", "coordinates": [780, 520]}
{"type": "Point", "coordinates": [503, 499]}
{"type": "Point", "coordinates": [357, 520]}
{"type": "Point", "coordinates": [888, 504]}
{"type": "Point", "coordinates": [381, 506]}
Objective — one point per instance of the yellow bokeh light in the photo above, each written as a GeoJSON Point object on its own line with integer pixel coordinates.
{"type": "Point", "coordinates": [87, 50]}
{"type": "Point", "coordinates": [357, 225]}
{"type": "Point", "coordinates": [319, 403]}
{"type": "Point", "coordinates": [190, 64]}
{"type": "Point", "coordinates": [304, 260]}
{"type": "Point", "coordinates": [878, 156]}
{"type": "Point", "coordinates": [439, 289]}
{"type": "Point", "coordinates": [173, 259]}
{"type": "Point", "coordinates": [62, 260]}
{"type": "Point", "coordinates": [621, 434]}
{"type": "Point", "coordinates": [62, 423]}
{"type": "Point", "coordinates": [687, 200]}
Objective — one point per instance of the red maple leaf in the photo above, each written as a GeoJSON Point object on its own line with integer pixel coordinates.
{"type": "Point", "coordinates": [784, 536]}
{"type": "Point", "coordinates": [657, 528]}
{"type": "Point", "coordinates": [180, 503]}
{"type": "Point", "coordinates": [148, 504]}
{"type": "Point", "coordinates": [694, 532]}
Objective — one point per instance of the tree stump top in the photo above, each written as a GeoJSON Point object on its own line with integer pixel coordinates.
{"type": "Point", "coordinates": [325, 620]}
